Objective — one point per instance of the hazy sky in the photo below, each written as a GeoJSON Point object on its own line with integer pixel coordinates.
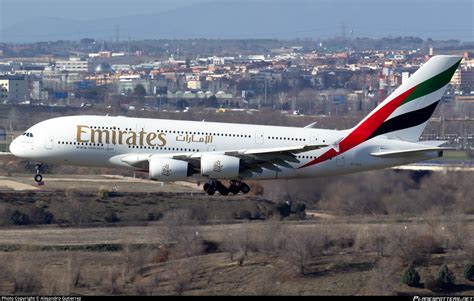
{"type": "Point", "coordinates": [20, 10]}
{"type": "Point", "coordinates": [25, 20]}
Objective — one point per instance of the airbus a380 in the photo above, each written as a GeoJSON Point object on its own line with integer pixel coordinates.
{"type": "Point", "coordinates": [171, 150]}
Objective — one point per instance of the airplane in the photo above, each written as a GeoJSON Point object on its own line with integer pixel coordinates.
{"type": "Point", "coordinates": [172, 150]}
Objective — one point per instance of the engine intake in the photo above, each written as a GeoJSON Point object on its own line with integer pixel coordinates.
{"type": "Point", "coordinates": [169, 170]}
{"type": "Point", "coordinates": [220, 167]}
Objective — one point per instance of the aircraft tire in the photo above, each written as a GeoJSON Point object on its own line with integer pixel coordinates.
{"type": "Point", "coordinates": [234, 189]}
{"type": "Point", "coordinates": [211, 191]}
{"type": "Point", "coordinates": [244, 188]}
{"type": "Point", "coordinates": [38, 178]}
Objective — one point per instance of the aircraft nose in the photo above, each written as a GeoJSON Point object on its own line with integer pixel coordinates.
{"type": "Point", "coordinates": [15, 147]}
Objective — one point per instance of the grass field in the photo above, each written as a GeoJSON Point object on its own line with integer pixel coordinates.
{"type": "Point", "coordinates": [458, 155]}
{"type": "Point", "coordinates": [102, 234]}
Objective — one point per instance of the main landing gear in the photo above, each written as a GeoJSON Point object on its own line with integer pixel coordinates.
{"type": "Point", "coordinates": [234, 188]}
{"type": "Point", "coordinates": [38, 176]}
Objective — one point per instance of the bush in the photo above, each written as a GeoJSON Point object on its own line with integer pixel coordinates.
{"type": "Point", "coordinates": [431, 284]}
{"type": "Point", "coordinates": [445, 279]}
{"type": "Point", "coordinates": [300, 210]}
{"type": "Point", "coordinates": [41, 216]}
{"type": "Point", "coordinates": [27, 279]}
{"type": "Point", "coordinates": [245, 214]}
{"type": "Point", "coordinates": [427, 244]}
{"type": "Point", "coordinates": [103, 192]}
{"type": "Point", "coordinates": [77, 212]}
{"type": "Point", "coordinates": [469, 271]}
{"type": "Point", "coordinates": [152, 216]}
{"type": "Point", "coordinates": [411, 277]}
{"type": "Point", "coordinates": [284, 209]}
{"type": "Point", "coordinates": [41, 204]}
{"type": "Point", "coordinates": [18, 218]}
{"type": "Point", "coordinates": [257, 215]}
{"type": "Point", "coordinates": [111, 217]}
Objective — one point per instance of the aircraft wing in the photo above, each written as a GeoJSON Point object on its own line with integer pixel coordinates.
{"type": "Point", "coordinates": [271, 158]}
{"type": "Point", "coordinates": [253, 159]}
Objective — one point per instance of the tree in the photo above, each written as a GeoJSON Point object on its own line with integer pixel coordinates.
{"type": "Point", "coordinates": [301, 247]}
{"type": "Point", "coordinates": [87, 41]}
{"type": "Point", "coordinates": [238, 244]}
{"type": "Point", "coordinates": [383, 280]}
{"type": "Point", "coordinates": [180, 230]}
{"type": "Point", "coordinates": [139, 91]}
{"type": "Point", "coordinates": [469, 271]}
{"type": "Point", "coordinates": [411, 277]}
{"type": "Point", "coordinates": [445, 279]}
{"type": "Point", "coordinates": [211, 102]}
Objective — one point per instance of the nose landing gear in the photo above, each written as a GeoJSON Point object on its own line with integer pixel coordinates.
{"type": "Point", "coordinates": [234, 188]}
{"type": "Point", "coordinates": [38, 177]}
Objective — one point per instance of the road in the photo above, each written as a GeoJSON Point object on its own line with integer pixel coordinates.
{"type": "Point", "coordinates": [54, 182]}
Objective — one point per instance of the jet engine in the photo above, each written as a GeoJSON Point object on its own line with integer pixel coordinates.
{"type": "Point", "coordinates": [220, 166]}
{"type": "Point", "coordinates": [168, 170]}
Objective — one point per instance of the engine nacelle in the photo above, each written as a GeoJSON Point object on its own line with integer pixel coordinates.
{"type": "Point", "coordinates": [168, 170]}
{"type": "Point", "coordinates": [220, 166]}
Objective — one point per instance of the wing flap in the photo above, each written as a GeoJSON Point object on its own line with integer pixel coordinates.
{"type": "Point", "coordinates": [286, 149]}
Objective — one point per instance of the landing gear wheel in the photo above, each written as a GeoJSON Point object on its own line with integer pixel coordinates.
{"type": "Point", "coordinates": [210, 190]}
{"type": "Point", "coordinates": [244, 188]}
{"type": "Point", "coordinates": [222, 189]}
{"type": "Point", "coordinates": [234, 189]}
{"type": "Point", "coordinates": [38, 178]}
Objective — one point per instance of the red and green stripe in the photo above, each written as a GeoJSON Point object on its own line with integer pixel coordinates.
{"type": "Point", "coordinates": [433, 84]}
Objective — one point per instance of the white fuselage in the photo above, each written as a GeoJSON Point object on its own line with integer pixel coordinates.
{"type": "Point", "coordinates": [103, 141]}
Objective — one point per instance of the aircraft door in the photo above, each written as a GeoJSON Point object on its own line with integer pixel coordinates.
{"type": "Point", "coordinates": [314, 139]}
{"type": "Point", "coordinates": [259, 137]}
{"type": "Point", "coordinates": [49, 142]}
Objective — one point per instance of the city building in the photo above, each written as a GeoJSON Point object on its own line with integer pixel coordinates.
{"type": "Point", "coordinates": [14, 88]}
{"type": "Point", "coordinates": [467, 78]}
{"type": "Point", "coordinates": [127, 84]}
{"type": "Point", "coordinates": [74, 64]}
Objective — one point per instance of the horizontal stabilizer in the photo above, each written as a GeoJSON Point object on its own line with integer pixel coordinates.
{"type": "Point", "coordinates": [407, 152]}
{"type": "Point", "coordinates": [433, 142]}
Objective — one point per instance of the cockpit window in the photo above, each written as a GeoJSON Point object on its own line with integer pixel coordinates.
{"type": "Point", "coordinates": [28, 134]}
